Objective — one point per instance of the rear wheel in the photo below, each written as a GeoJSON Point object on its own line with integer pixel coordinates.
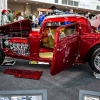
{"type": "Point", "coordinates": [94, 60]}
{"type": "Point", "coordinates": [2, 56]}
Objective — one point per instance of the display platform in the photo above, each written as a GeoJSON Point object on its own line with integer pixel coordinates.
{"type": "Point", "coordinates": [23, 95]}
{"type": "Point", "coordinates": [89, 95]}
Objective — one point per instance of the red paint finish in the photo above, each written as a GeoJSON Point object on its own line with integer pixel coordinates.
{"type": "Point", "coordinates": [87, 42]}
{"type": "Point", "coordinates": [64, 55]}
{"type": "Point", "coordinates": [18, 40]}
{"type": "Point", "coordinates": [46, 50]}
{"type": "Point", "coordinates": [35, 41]}
{"type": "Point", "coordinates": [16, 26]}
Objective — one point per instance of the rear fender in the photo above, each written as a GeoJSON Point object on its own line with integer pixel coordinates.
{"type": "Point", "coordinates": [90, 51]}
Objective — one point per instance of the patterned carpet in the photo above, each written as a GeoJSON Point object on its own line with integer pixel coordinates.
{"type": "Point", "coordinates": [63, 86]}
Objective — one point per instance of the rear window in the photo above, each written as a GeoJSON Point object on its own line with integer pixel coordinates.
{"type": "Point", "coordinates": [57, 23]}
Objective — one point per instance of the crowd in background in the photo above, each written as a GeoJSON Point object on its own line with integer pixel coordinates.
{"type": "Point", "coordinates": [9, 16]}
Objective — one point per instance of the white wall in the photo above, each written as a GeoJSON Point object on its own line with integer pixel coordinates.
{"type": "Point", "coordinates": [16, 7]}
{"type": "Point", "coordinates": [28, 9]}
{"type": "Point", "coordinates": [46, 1]}
{"type": "Point", "coordinates": [94, 4]}
{"type": "Point", "coordinates": [20, 7]}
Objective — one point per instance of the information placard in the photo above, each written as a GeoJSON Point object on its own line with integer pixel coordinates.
{"type": "Point", "coordinates": [89, 95]}
{"type": "Point", "coordinates": [24, 95]}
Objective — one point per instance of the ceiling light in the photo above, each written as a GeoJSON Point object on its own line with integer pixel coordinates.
{"type": "Point", "coordinates": [15, 0]}
{"type": "Point", "coordinates": [36, 3]}
{"type": "Point", "coordinates": [27, 3]}
{"type": "Point", "coordinates": [43, 5]}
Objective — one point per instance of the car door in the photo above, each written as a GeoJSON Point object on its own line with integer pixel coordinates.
{"type": "Point", "coordinates": [66, 47]}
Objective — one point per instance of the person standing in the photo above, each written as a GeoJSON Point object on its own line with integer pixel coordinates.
{"type": "Point", "coordinates": [20, 16]}
{"type": "Point", "coordinates": [10, 16]}
{"type": "Point", "coordinates": [26, 15]}
{"type": "Point", "coordinates": [33, 20]}
{"type": "Point", "coordinates": [4, 18]}
{"type": "Point", "coordinates": [41, 18]}
{"type": "Point", "coordinates": [69, 12]}
{"type": "Point", "coordinates": [36, 21]}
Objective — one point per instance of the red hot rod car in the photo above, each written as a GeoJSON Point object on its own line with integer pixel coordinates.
{"type": "Point", "coordinates": [61, 41]}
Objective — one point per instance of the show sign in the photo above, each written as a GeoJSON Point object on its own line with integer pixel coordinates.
{"type": "Point", "coordinates": [86, 4]}
{"type": "Point", "coordinates": [45, 10]}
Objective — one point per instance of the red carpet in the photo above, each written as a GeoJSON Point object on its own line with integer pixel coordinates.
{"type": "Point", "coordinates": [21, 73]}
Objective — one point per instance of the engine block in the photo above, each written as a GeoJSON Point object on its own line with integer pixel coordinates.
{"type": "Point", "coordinates": [18, 46]}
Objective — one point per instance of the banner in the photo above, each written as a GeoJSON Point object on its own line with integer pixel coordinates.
{"type": "Point", "coordinates": [46, 10]}
{"type": "Point", "coordinates": [86, 4]}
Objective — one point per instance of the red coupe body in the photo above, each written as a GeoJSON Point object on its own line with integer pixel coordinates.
{"type": "Point", "coordinates": [62, 41]}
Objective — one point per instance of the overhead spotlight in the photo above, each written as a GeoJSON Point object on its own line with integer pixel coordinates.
{"type": "Point", "coordinates": [27, 3]}
{"type": "Point", "coordinates": [36, 3]}
{"type": "Point", "coordinates": [15, 0]}
{"type": "Point", "coordinates": [43, 5]}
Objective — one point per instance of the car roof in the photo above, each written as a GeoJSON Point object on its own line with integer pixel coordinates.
{"type": "Point", "coordinates": [65, 15]}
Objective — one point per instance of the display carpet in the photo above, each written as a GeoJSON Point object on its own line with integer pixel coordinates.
{"type": "Point", "coordinates": [63, 86]}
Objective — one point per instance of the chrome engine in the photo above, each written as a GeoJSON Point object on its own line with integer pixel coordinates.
{"type": "Point", "coordinates": [17, 46]}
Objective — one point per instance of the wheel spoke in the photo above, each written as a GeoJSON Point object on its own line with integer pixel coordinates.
{"type": "Point", "coordinates": [97, 61]}
{"type": "Point", "coordinates": [98, 67]}
{"type": "Point", "coordinates": [98, 57]}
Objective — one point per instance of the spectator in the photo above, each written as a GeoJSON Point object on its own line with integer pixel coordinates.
{"type": "Point", "coordinates": [41, 18]}
{"type": "Point", "coordinates": [4, 18]}
{"type": "Point", "coordinates": [26, 15]}
{"type": "Point", "coordinates": [10, 16]}
{"type": "Point", "coordinates": [70, 11]}
{"type": "Point", "coordinates": [36, 21]}
{"type": "Point", "coordinates": [33, 20]}
{"type": "Point", "coordinates": [30, 17]}
{"type": "Point", "coordinates": [20, 16]}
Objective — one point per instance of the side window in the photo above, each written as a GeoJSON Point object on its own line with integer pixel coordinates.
{"type": "Point", "coordinates": [67, 31]}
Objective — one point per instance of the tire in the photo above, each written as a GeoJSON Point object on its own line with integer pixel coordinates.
{"type": "Point", "coordinates": [2, 56]}
{"type": "Point", "coordinates": [94, 60]}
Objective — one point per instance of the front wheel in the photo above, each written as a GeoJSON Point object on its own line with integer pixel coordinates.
{"type": "Point", "coordinates": [2, 56]}
{"type": "Point", "coordinates": [95, 60]}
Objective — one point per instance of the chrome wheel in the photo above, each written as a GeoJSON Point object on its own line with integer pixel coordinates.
{"type": "Point", "coordinates": [97, 61]}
